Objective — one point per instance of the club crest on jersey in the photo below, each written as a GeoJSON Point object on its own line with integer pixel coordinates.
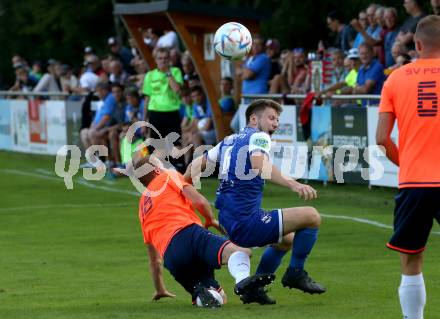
{"type": "Point", "coordinates": [266, 218]}
{"type": "Point", "coordinates": [261, 142]}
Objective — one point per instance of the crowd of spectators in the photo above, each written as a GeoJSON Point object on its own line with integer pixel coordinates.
{"type": "Point", "coordinates": [365, 50]}
{"type": "Point", "coordinates": [171, 97]}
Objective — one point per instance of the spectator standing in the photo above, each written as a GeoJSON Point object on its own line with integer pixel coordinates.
{"type": "Point", "coordinates": [406, 33]}
{"type": "Point", "coordinates": [372, 34]}
{"type": "Point", "coordinates": [255, 72]}
{"type": "Point", "coordinates": [390, 16]}
{"type": "Point", "coordinates": [273, 52]}
{"type": "Point", "coordinates": [363, 23]}
{"type": "Point", "coordinates": [345, 34]}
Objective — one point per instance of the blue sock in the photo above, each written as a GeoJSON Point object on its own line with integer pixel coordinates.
{"type": "Point", "coordinates": [303, 243]}
{"type": "Point", "coordinates": [270, 260]}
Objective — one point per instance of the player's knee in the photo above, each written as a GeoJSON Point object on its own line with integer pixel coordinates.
{"type": "Point", "coordinates": [232, 248]}
{"type": "Point", "coordinates": [314, 217]}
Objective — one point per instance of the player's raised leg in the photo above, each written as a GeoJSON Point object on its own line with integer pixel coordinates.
{"type": "Point", "coordinates": [305, 222]}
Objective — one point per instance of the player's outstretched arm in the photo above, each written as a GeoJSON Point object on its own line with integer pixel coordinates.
{"type": "Point", "coordinates": [267, 170]}
{"type": "Point", "coordinates": [195, 169]}
{"type": "Point", "coordinates": [156, 274]}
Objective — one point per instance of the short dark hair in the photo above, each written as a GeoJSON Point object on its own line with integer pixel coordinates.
{"type": "Point", "coordinates": [103, 85]}
{"type": "Point", "coordinates": [118, 85]}
{"type": "Point", "coordinates": [229, 79]}
{"type": "Point", "coordinates": [366, 45]}
{"type": "Point", "coordinates": [260, 105]}
{"type": "Point", "coordinates": [132, 91]}
{"type": "Point", "coordinates": [185, 92]}
{"type": "Point", "coordinates": [197, 88]}
{"type": "Point", "coordinates": [161, 50]}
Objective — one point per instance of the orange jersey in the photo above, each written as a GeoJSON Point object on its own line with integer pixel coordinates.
{"type": "Point", "coordinates": [411, 93]}
{"type": "Point", "coordinates": [163, 210]}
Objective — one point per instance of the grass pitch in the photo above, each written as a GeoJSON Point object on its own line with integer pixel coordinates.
{"type": "Point", "coordinates": [79, 253]}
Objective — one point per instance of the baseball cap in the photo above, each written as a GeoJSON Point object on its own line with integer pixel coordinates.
{"type": "Point", "coordinates": [88, 50]}
{"type": "Point", "coordinates": [272, 44]}
{"type": "Point", "coordinates": [112, 41]}
{"type": "Point", "coordinates": [353, 53]}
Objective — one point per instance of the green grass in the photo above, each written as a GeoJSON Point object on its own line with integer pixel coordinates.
{"type": "Point", "coordinates": [79, 253]}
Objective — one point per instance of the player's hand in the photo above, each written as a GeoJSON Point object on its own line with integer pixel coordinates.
{"type": "Point", "coordinates": [162, 294]}
{"type": "Point", "coordinates": [213, 223]}
{"type": "Point", "coordinates": [305, 191]}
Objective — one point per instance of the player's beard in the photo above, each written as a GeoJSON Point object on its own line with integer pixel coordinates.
{"type": "Point", "coordinates": [260, 128]}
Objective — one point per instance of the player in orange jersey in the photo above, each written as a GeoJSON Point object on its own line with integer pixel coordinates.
{"type": "Point", "coordinates": [410, 96]}
{"type": "Point", "coordinates": [189, 251]}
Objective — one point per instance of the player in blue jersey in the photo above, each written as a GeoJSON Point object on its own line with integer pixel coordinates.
{"type": "Point", "coordinates": [244, 166]}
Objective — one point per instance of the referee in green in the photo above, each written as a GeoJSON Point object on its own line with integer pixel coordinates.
{"type": "Point", "coordinates": [162, 101]}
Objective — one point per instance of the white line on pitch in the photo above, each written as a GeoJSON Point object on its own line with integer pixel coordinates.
{"type": "Point", "coordinates": [365, 221]}
{"type": "Point", "coordinates": [79, 181]}
{"type": "Point", "coordinates": [108, 189]}
{"type": "Point", "coordinates": [6, 209]}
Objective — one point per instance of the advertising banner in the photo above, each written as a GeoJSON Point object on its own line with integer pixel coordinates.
{"type": "Point", "coordinates": [321, 167]}
{"type": "Point", "coordinates": [289, 155]}
{"type": "Point", "coordinates": [391, 171]}
{"type": "Point", "coordinates": [19, 125]}
{"type": "Point", "coordinates": [73, 122]}
{"type": "Point", "coordinates": [38, 126]}
{"type": "Point", "coordinates": [5, 126]}
{"type": "Point", "coordinates": [349, 128]}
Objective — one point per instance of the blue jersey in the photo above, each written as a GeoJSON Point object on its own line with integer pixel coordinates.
{"type": "Point", "coordinates": [241, 190]}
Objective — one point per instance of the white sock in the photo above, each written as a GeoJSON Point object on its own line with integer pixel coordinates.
{"type": "Point", "coordinates": [239, 266]}
{"type": "Point", "coordinates": [412, 296]}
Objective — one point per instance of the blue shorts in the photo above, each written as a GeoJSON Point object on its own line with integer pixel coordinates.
{"type": "Point", "coordinates": [415, 211]}
{"type": "Point", "coordinates": [259, 229]}
{"type": "Point", "coordinates": [192, 255]}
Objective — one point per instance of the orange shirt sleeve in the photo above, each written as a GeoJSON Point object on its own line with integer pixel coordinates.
{"type": "Point", "coordinates": [386, 98]}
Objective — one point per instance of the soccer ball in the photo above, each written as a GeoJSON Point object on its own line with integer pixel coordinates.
{"type": "Point", "coordinates": [232, 41]}
{"type": "Point", "coordinates": [215, 294]}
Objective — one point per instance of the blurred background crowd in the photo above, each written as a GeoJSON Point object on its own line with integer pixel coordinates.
{"type": "Point", "coordinates": [364, 50]}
